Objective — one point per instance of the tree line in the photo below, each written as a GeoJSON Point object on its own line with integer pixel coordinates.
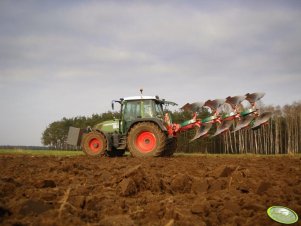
{"type": "Point", "coordinates": [281, 136]}
{"type": "Point", "coordinates": [55, 135]}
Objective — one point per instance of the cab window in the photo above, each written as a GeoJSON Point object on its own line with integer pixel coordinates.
{"type": "Point", "coordinates": [132, 110]}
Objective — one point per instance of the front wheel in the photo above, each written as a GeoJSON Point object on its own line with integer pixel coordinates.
{"type": "Point", "coordinates": [94, 143]}
{"type": "Point", "coordinates": [146, 139]}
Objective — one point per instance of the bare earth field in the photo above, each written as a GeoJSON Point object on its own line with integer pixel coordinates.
{"type": "Point", "coordinates": [182, 190]}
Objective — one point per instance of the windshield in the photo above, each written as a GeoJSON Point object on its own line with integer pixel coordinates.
{"type": "Point", "coordinates": [136, 109]}
{"type": "Point", "coordinates": [142, 109]}
{"type": "Point", "coordinates": [159, 109]}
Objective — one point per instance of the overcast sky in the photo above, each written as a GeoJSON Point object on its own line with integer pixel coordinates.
{"type": "Point", "coordinates": [69, 58]}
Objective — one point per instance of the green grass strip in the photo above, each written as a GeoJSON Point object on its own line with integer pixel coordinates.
{"type": "Point", "coordinates": [39, 152]}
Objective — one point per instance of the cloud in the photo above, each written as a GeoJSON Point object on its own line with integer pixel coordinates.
{"type": "Point", "coordinates": [135, 34]}
{"type": "Point", "coordinates": [71, 58]}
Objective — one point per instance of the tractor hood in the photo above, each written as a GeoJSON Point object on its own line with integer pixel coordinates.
{"type": "Point", "coordinates": [109, 126]}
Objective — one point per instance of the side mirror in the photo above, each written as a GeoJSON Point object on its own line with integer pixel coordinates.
{"type": "Point", "coordinates": [113, 105]}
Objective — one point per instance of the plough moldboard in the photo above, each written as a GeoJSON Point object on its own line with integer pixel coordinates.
{"type": "Point", "coordinates": [226, 115]}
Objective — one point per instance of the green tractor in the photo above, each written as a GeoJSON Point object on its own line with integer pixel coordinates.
{"type": "Point", "coordinates": [142, 130]}
{"type": "Point", "coordinates": [145, 130]}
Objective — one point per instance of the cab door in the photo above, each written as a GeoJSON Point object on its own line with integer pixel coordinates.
{"type": "Point", "coordinates": [130, 112]}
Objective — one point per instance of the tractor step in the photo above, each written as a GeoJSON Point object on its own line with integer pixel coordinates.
{"type": "Point", "coordinates": [122, 143]}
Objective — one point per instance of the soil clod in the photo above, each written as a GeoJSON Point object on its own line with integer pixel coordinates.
{"type": "Point", "coordinates": [181, 190]}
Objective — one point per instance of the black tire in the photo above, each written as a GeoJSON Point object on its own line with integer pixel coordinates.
{"type": "Point", "coordinates": [94, 143]}
{"type": "Point", "coordinates": [115, 152]}
{"type": "Point", "coordinates": [171, 147]}
{"type": "Point", "coordinates": [146, 139]}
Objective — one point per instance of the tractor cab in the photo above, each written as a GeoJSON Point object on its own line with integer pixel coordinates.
{"type": "Point", "coordinates": [140, 108]}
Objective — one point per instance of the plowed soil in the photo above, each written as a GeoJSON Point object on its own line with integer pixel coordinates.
{"type": "Point", "coordinates": [199, 190]}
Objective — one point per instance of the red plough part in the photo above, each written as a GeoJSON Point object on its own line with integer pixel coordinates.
{"type": "Point", "coordinates": [238, 117]}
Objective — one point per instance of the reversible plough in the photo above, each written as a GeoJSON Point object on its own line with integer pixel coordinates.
{"type": "Point", "coordinates": [237, 117]}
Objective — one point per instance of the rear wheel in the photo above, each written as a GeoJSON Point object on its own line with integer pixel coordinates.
{"type": "Point", "coordinates": [146, 139]}
{"type": "Point", "coordinates": [94, 143]}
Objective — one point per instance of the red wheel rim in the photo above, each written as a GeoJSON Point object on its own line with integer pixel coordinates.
{"type": "Point", "coordinates": [146, 142]}
{"type": "Point", "coordinates": [95, 145]}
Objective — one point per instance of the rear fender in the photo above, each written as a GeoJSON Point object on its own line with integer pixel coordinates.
{"type": "Point", "coordinates": [154, 120]}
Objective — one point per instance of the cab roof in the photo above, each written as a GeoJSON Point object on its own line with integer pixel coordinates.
{"type": "Point", "coordinates": [141, 98]}
{"type": "Point", "coordinates": [163, 101]}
